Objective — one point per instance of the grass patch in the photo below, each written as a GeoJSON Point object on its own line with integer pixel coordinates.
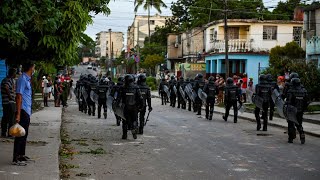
{"type": "Point", "coordinates": [83, 174]}
{"type": "Point", "coordinates": [81, 143]}
{"type": "Point", "coordinates": [82, 139]}
{"type": "Point", "coordinates": [96, 151]}
{"type": "Point", "coordinates": [250, 106]}
{"type": "Point", "coordinates": [68, 166]}
{"type": "Point", "coordinates": [312, 108]}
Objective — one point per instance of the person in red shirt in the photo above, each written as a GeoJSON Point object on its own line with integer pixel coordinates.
{"type": "Point", "coordinates": [244, 87]}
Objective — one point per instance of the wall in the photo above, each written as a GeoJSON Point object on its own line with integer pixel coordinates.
{"type": "Point", "coordinates": [252, 63]}
{"type": "Point", "coordinates": [173, 52]}
{"type": "Point", "coordinates": [3, 74]}
{"type": "Point", "coordinates": [317, 22]}
{"type": "Point", "coordinates": [284, 34]}
{"type": "Point", "coordinates": [105, 44]}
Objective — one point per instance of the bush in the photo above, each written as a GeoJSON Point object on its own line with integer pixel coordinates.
{"type": "Point", "coordinates": [152, 83]}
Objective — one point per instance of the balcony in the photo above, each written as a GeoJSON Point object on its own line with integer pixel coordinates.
{"type": "Point", "coordinates": [235, 45]}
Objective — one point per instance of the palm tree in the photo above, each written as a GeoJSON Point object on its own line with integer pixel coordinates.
{"type": "Point", "coordinates": [147, 4]}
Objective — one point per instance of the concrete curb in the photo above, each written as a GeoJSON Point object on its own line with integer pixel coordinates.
{"type": "Point", "coordinates": [253, 120]}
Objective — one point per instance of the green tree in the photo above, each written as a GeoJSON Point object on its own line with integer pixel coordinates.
{"type": "Point", "coordinates": [147, 5]}
{"type": "Point", "coordinates": [151, 61]}
{"type": "Point", "coordinates": [292, 57]}
{"type": "Point", "coordinates": [45, 30]}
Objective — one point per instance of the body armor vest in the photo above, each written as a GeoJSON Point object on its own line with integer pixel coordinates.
{"type": "Point", "coordinates": [231, 93]}
{"type": "Point", "coordinates": [102, 91]}
{"type": "Point", "coordinates": [211, 90]}
{"type": "Point", "coordinates": [297, 98]}
{"type": "Point", "coordinates": [264, 92]}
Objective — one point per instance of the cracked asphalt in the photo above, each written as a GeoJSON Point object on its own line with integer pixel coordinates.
{"type": "Point", "coordinates": [177, 144]}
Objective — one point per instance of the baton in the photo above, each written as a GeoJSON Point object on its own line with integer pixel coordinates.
{"type": "Point", "coordinates": [147, 118]}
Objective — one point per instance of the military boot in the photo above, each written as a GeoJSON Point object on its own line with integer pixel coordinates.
{"type": "Point", "coordinates": [124, 131]}
{"type": "Point", "coordinates": [141, 130]}
{"type": "Point", "coordinates": [302, 138]}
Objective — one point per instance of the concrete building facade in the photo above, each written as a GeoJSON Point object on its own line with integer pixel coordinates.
{"type": "Point", "coordinates": [109, 47]}
{"type": "Point", "coordinates": [312, 33]}
{"type": "Point", "coordinates": [138, 31]}
{"type": "Point", "coordinates": [250, 41]}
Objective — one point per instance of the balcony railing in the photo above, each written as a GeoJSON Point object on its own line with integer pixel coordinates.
{"type": "Point", "coordinates": [235, 45]}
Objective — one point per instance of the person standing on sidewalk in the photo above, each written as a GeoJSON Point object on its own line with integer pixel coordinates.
{"type": "Point", "coordinates": [8, 102]}
{"type": "Point", "coordinates": [23, 113]}
{"type": "Point", "coordinates": [45, 91]}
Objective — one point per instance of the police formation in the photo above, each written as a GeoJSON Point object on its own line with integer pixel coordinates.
{"type": "Point", "coordinates": [127, 99]}
{"type": "Point", "coordinates": [194, 93]}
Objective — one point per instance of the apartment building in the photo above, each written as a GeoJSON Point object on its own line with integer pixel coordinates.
{"type": "Point", "coordinates": [109, 44]}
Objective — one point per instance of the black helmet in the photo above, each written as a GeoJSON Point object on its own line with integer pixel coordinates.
{"type": "Point", "coordinates": [269, 77]}
{"type": "Point", "coordinates": [120, 79]}
{"type": "Point", "coordinates": [199, 76]}
{"type": "Point", "coordinates": [294, 75]}
{"type": "Point", "coordinates": [211, 79]}
{"type": "Point", "coordinates": [187, 80]}
{"type": "Point", "coordinates": [128, 79]}
{"type": "Point", "coordinates": [163, 79]}
{"type": "Point", "coordinates": [191, 80]}
{"type": "Point", "coordinates": [172, 77]}
{"type": "Point", "coordinates": [295, 82]}
{"type": "Point", "coordinates": [181, 79]}
{"type": "Point", "coordinates": [142, 78]}
{"type": "Point", "coordinates": [262, 78]}
{"type": "Point", "coordinates": [229, 81]}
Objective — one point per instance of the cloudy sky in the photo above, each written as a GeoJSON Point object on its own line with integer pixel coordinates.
{"type": "Point", "coordinates": [122, 16]}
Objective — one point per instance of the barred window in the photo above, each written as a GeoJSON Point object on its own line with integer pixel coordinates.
{"type": "Point", "coordinates": [270, 32]}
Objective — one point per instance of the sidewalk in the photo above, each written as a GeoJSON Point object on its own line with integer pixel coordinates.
{"type": "Point", "coordinates": [309, 128]}
{"type": "Point", "coordinates": [43, 146]}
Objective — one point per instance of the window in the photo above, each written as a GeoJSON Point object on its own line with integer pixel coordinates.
{"type": "Point", "coordinates": [270, 32]}
{"type": "Point", "coordinates": [233, 32]}
{"type": "Point", "coordinates": [151, 22]}
{"type": "Point", "coordinates": [213, 34]}
{"type": "Point", "coordinates": [297, 31]}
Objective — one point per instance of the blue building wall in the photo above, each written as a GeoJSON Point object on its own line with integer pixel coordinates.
{"type": "Point", "coordinates": [251, 63]}
{"type": "Point", "coordinates": [3, 73]}
{"type": "Point", "coordinates": [313, 49]}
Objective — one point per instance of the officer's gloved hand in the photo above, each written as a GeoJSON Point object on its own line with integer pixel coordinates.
{"type": "Point", "coordinates": [150, 109]}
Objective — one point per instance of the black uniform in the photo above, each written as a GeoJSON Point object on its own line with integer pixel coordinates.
{"type": "Point", "coordinates": [83, 87]}
{"type": "Point", "coordinates": [146, 95]}
{"type": "Point", "coordinates": [102, 90]}
{"type": "Point", "coordinates": [297, 96]}
{"type": "Point", "coordinates": [231, 97]}
{"type": "Point", "coordinates": [162, 93]}
{"type": "Point", "coordinates": [92, 86]}
{"type": "Point", "coordinates": [263, 90]}
{"type": "Point", "coordinates": [173, 96]}
{"type": "Point", "coordinates": [188, 98]}
{"type": "Point", "coordinates": [192, 82]}
{"type": "Point", "coordinates": [273, 85]}
{"type": "Point", "coordinates": [132, 100]}
{"type": "Point", "coordinates": [78, 93]}
{"type": "Point", "coordinates": [211, 90]}
{"type": "Point", "coordinates": [181, 101]}
{"type": "Point", "coordinates": [199, 84]}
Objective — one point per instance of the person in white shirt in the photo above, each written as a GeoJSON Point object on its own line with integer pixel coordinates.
{"type": "Point", "coordinates": [46, 91]}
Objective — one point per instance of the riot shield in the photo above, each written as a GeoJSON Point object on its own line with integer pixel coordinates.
{"type": "Point", "coordinates": [118, 108]}
{"type": "Point", "coordinates": [202, 95]}
{"type": "Point", "coordinates": [94, 97]}
{"type": "Point", "coordinates": [166, 89]}
{"type": "Point", "coordinates": [258, 101]}
{"type": "Point", "coordinates": [241, 107]}
{"type": "Point", "coordinates": [279, 103]}
{"type": "Point", "coordinates": [84, 93]}
{"type": "Point", "coordinates": [188, 90]}
{"type": "Point", "coordinates": [110, 100]}
{"type": "Point", "coordinates": [183, 95]}
{"type": "Point", "coordinates": [290, 112]}
{"type": "Point", "coordinates": [175, 90]}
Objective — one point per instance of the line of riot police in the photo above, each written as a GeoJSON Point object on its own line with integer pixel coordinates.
{"type": "Point", "coordinates": [196, 92]}
{"type": "Point", "coordinates": [127, 99]}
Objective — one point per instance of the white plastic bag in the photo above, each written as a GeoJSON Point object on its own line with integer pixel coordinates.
{"type": "Point", "coordinates": [17, 130]}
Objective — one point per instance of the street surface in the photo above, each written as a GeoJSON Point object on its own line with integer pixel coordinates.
{"type": "Point", "coordinates": [177, 144]}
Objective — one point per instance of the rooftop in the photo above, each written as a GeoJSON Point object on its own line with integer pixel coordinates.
{"type": "Point", "coordinates": [255, 21]}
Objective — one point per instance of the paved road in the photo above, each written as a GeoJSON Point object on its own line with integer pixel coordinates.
{"type": "Point", "coordinates": [180, 145]}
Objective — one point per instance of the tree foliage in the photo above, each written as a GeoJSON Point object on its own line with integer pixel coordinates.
{"type": "Point", "coordinates": [157, 4]}
{"type": "Point", "coordinates": [152, 60]}
{"type": "Point", "coordinates": [291, 58]}
{"type": "Point", "coordinates": [45, 30]}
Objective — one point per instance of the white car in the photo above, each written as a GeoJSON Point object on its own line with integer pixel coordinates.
{"type": "Point", "coordinates": [89, 66]}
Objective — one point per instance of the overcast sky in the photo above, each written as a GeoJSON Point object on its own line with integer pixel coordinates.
{"type": "Point", "coordinates": [122, 15]}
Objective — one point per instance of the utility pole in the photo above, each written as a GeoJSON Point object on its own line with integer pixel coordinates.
{"type": "Point", "coordinates": [138, 49]}
{"type": "Point", "coordinates": [110, 51]}
{"type": "Point", "coordinates": [210, 13]}
{"type": "Point", "coordinates": [226, 38]}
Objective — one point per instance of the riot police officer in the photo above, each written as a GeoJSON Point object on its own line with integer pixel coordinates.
{"type": "Point", "coordinates": [188, 98]}
{"type": "Point", "coordinates": [162, 93]}
{"type": "Point", "coordinates": [262, 99]}
{"type": "Point", "coordinates": [115, 93]}
{"type": "Point", "coordinates": [211, 90]}
{"type": "Point", "coordinates": [181, 99]}
{"type": "Point", "coordinates": [102, 90]}
{"type": "Point", "coordinates": [231, 97]}
{"type": "Point", "coordinates": [84, 95]}
{"type": "Point", "coordinates": [172, 89]}
{"type": "Point", "coordinates": [79, 84]}
{"type": "Point", "coordinates": [132, 100]}
{"type": "Point", "coordinates": [192, 82]}
{"type": "Point", "coordinates": [146, 95]}
{"type": "Point", "coordinates": [92, 86]}
{"type": "Point", "coordinates": [273, 85]}
{"type": "Point", "coordinates": [296, 96]}
{"type": "Point", "coordinates": [199, 84]}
